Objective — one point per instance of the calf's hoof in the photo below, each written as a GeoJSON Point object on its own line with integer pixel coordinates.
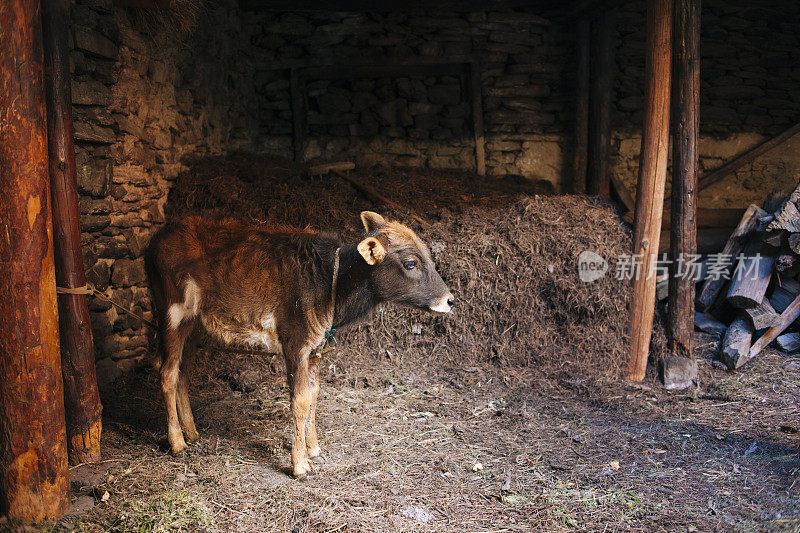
{"type": "Point", "coordinates": [191, 436]}
{"type": "Point", "coordinates": [314, 452]}
{"type": "Point", "coordinates": [303, 470]}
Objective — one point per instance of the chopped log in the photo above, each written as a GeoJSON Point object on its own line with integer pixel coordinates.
{"type": "Point", "coordinates": [783, 294]}
{"type": "Point", "coordinates": [683, 237]}
{"type": "Point", "coordinates": [794, 242]}
{"type": "Point", "coordinates": [34, 475]}
{"type": "Point", "coordinates": [746, 158]}
{"type": "Point", "coordinates": [81, 398]}
{"type": "Point", "coordinates": [788, 342]}
{"type": "Point", "coordinates": [786, 263]}
{"type": "Point", "coordinates": [602, 86]}
{"type": "Point", "coordinates": [652, 177]}
{"type": "Point", "coordinates": [477, 118]}
{"type": "Point", "coordinates": [775, 239]}
{"type": "Point", "coordinates": [786, 218]}
{"type": "Point", "coordinates": [708, 324]}
{"type": "Point", "coordinates": [763, 316]}
{"type": "Point", "coordinates": [677, 373]}
{"type": "Point", "coordinates": [734, 245]}
{"type": "Point", "coordinates": [581, 152]}
{"type": "Point", "coordinates": [736, 343]}
{"type": "Point", "coordinates": [787, 318]}
{"type": "Point", "coordinates": [750, 280]}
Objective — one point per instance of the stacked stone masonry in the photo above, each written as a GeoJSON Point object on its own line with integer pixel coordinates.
{"type": "Point", "coordinates": [147, 94]}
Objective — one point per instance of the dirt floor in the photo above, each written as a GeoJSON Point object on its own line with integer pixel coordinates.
{"type": "Point", "coordinates": [443, 449]}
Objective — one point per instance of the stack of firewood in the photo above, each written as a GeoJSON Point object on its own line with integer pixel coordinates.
{"type": "Point", "coordinates": [752, 285]}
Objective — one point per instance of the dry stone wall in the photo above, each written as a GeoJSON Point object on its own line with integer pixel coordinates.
{"type": "Point", "coordinates": [749, 87]}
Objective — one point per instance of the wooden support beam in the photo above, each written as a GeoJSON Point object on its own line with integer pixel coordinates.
{"type": "Point", "coordinates": [34, 475]}
{"type": "Point", "coordinates": [581, 151]}
{"type": "Point", "coordinates": [736, 243]}
{"type": "Point", "coordinates": [683, 241]}
{"type": "Point", "coordinates": [747, 157]}
{"type": "Point", "coordinates": [602, 85]}
{"type": "Point", "coordinates": [652, 178]}
{"type": "Point", "coordinates": [477, 118]}
{"type": "Point", "coordinates": [81, 398]}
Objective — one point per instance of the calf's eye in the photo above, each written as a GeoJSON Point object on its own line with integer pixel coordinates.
{"type": "Point", "coordinates": [410, 264]}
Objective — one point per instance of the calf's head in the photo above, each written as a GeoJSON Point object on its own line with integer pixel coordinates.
{"type": "Point", "coordinates": [400, 266]}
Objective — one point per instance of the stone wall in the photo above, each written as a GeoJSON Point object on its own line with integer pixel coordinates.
{"type": "Point", "coordinates": [425, 120]}
{"type": "Point", "coordinates": [749, 82]}
{"type": "Point", "coordinates": [145, 95]}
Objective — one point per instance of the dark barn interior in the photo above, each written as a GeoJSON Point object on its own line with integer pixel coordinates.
{"type": "Point", "coordinates": [514, 137]}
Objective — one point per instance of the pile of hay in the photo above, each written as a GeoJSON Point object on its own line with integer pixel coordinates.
{"type": "Point", "coordinates": [509, 256]}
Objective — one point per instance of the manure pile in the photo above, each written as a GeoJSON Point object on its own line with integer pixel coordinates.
{"type": "Point", "coordinates": [509, 257]}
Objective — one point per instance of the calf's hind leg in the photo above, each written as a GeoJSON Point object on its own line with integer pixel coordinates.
{"type": "Point", "coordinates": [185, 409]}
{"type": "Point", "coordinates": [174, 340]}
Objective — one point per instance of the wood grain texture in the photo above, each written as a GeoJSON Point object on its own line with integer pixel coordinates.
{"type": "Point", "coordinates": [601, 88]}
{"type": "Point", "coordinates": [581, 151]}
{"type": "Point", "coordinates": [683, 230]}
{"type": "Point", "coordinates": [652, 178]}
{"type": "Point", "coordinates": [81, 397]}
{"type": "Point", "coordinates": [34, 476]}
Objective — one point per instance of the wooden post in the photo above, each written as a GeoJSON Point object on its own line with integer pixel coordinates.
{"type": "Point", "coordinates": [600, 105]}
{"type": "Point", "coordinates": [683, 241]}
{"type": "Point", "coordinates": [652, 176]}
{"type": "Point", "coordinates": [81, 398]}
{"type": "Point", "coordinates": [477, 118]}
{"type": "Point", "coordinates": [581, 153]}
{"type": "Point", "coordinates": [34, 477]}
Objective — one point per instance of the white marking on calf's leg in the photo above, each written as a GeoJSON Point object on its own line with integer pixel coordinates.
{"type": "Point", "coordinates": [190, 306]}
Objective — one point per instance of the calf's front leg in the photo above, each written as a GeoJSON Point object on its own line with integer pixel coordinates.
{"type": "Point", "coordinates": [300, 401]}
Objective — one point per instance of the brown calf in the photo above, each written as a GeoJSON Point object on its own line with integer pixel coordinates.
{"type": "Point", "coordinates": [281, 290]}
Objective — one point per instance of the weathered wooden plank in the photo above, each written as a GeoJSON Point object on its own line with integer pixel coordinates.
{"type": "Point", "coordinates": [81, 397]}
{"type": "Point", "coordinates": [734, 245]}
{"type": "Point", "coordinates": [746, 158]}
{"type": "Point", "coordinates": [652, 178]}
{"type": "Point", "coordinates": [34, 475]}
{"type": "Point", "coordinates": [476, 93]}
{"type": "Point", "coordinates": [581, 151]}
{"type": "Point", "coordinates": [601, 87]}
{"type": "Point", "coordinates": [788, 342]}
{"type": "Point", "coordinates": [683, 230]}
{"type": "Point", "coordinates": [783, 294]}
{"type": "Point", "coordinates": [708, 324]}
{"type": "Point", "coordinates": [736, 343]}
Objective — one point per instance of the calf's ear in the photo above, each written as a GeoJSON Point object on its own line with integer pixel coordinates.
{"type": "Point", "coordinates": [372, 250]}
{"type": "Point", "coordinates": [372, 221]}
